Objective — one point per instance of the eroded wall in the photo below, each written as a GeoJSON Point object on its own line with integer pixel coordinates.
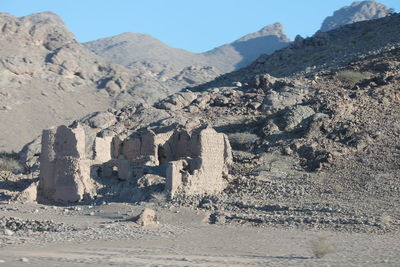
{"type": "Point", "coordinates": [196, 161]}
{"type": "Point", "coordinates": [64, 169]}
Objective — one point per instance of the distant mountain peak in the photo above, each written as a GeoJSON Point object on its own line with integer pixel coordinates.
{"type": "Point", "coordinates": [357, 11]}
{"type": "Point", "coordinates": [134, 35]}
{"type": "Point", "coordinates": [276, 29]}
{"type": "Point", "coordinates": [44, 18]}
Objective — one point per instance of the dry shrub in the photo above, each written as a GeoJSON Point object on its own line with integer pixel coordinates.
{"type": "Point", "coordinates": [8, 165]}
{"type": "Point", "coordinates": [158, 197]}
{"type": "Point", "coordinates": [351, 77]}
{"type": "Point", "coordinates": [321, 247]}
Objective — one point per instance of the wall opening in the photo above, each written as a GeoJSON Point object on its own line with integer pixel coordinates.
{"type": "Point", "coordinates": [99, 172]}
{"type": "Point", "coordinates": [162, 156]}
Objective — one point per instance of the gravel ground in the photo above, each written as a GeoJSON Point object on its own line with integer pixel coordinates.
{"type": "Point", "coordinates": [106, 235]}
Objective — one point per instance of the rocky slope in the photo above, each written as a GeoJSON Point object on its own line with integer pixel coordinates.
{"type": "Point", "coordinates": [48, 78]}
{"type": "Point", "coordinates": [324, 50]}
{"type": "Point", "coordinates": [307, 149]}
{"type": "Point", "coordinates": [143, 51]}
{"type": "Point", "coordinates": [357, 11]}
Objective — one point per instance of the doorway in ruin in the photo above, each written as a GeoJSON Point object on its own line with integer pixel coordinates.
{"type": "Point", "coordinates": [99, 172]}
{"type": "Point", "coordinates": [162, 155]}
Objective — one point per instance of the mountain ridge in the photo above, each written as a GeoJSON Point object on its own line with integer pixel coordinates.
{"type": "Point", "coordinates": [357, 11]}
{"type": "Point", "coordinates": [129, 49]}
{"type": "Point", "coordinates": [47, 77]}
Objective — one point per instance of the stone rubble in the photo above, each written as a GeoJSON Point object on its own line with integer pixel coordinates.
{"type": "Point", "coordinates": [11, 226]}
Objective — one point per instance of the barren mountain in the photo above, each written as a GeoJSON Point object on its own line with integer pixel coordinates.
{"type": "Point", "coordinates": [324, 50]}
{"type": "Point", "coordinates": [246, 49]}
{"type": "Point", "coordinates": [143, 51]}
{"type": "Point", "coordinates": [357, 11]}
{"type": "Point", "coordinates": [47, 78]}
{"type": "Point", "coordinates": [133, 49]}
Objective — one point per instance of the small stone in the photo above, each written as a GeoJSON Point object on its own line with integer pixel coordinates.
{"type": "Point", "coordinates": [287, 151]}
{"type": "Point", "coordinates": [8, 232]}
{"type": "Point", "coordinates": [146, 218]}
{"type": "Point", "coordinates": [91, 214]}
{"type": "Point", "coordinates": [24, 259]}
{"type": "Point", "coordinates": [193, 109]}
{"type": "Point", "coordinates": [237, 84]}
{"type": "Point", "coordinates": [6, 108]}
{"type": "Point", "coordinates": [255, 105]}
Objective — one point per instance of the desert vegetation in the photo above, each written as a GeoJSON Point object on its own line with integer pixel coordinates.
{"type": "Point", "coordinates": [351, 77]}
{"type": "Point", "coordinates": [8, 164]}
{"type": "Point", "coordinates": [321, 247]}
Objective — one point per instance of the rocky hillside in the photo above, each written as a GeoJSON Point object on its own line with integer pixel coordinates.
{"type": "Point", "coordinates": [318, 150]}
{"type": "Point", "coordinates": [144, 52]}
{"type": "Point", "coordinates": [48, 78]}
{"type": "Point", "coordinates": [309, 148]}
{"type": "Point", "coordinates": [357, 11]}
{"type": "Point", "coordinates": [324, 50]}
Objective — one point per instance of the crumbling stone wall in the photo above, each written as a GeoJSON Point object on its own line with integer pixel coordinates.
{"type": "Point", "coordinates": [64, 169]}
{"type": "Point", "coordinates": [205, 168]}
{"type": "Point", "coordinates": [195, 162]}
{"type": "Point", "coordinates": [140, 148]}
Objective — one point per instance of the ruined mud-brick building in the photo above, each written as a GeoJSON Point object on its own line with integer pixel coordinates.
{"type": "Point", "coordinates": [193, 162]}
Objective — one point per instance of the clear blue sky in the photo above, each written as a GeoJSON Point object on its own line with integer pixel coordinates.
{"type": "Point", "coordinates": [194, 25]}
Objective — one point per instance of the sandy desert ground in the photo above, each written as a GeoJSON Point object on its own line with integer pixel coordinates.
{"type": "Point", "coordinates": [105, 235]}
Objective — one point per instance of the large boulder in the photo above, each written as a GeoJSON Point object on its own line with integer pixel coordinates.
{"type": "Point", "coordinates": [146, 218]}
